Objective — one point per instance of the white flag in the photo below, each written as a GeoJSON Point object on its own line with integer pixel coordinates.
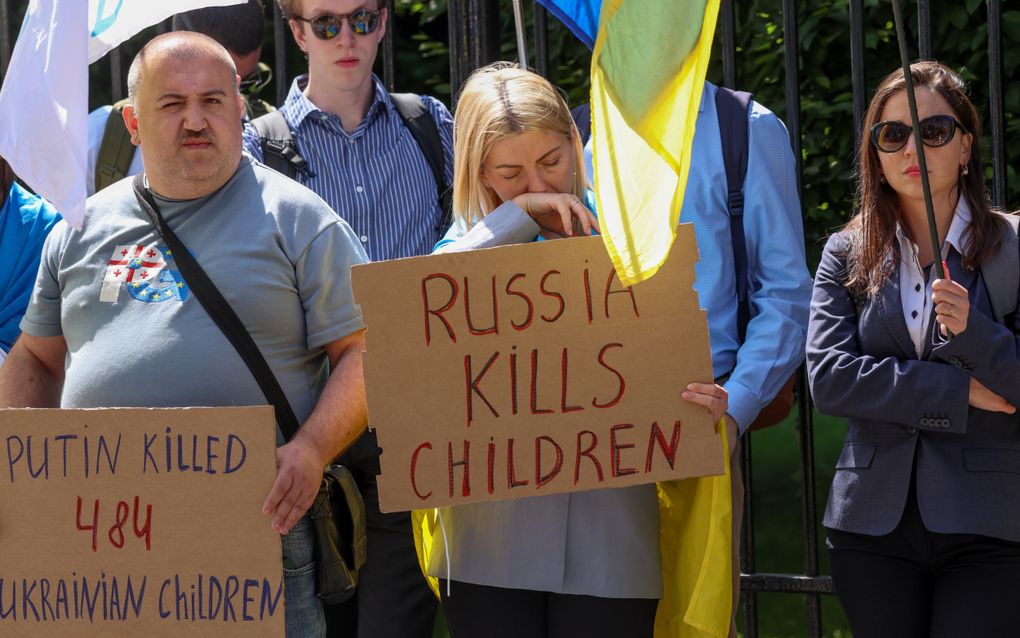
{"type": "Point", "coordinates": [44, 99]}
{"type": "Point", "coordinates": [44, 104]}
{"type": "Point", "coordinates": [113, 21]}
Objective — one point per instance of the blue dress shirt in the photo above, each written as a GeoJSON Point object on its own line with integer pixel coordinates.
{"type": "Point", "coordinates": [780, 283]}
{"type": "Point", "coordinates": [376, 177]}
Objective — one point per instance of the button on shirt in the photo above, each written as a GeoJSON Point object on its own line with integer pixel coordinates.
{"type": "Point", "coordinates": [376, 177]}
{"type": "Point", "coordinates": [915, 283]}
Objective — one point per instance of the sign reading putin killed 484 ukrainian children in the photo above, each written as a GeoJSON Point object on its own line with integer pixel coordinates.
{"type": "Point", "coordinates": [530, 369]}
{"type": "Point", "coordinates": [138, 522]}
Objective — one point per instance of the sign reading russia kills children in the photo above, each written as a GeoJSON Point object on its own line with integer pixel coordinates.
{"type": "Point", "coordinates": [531, 369]}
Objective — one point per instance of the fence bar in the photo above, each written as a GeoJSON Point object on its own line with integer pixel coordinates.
{"type": "Point", "coordinates": [747, 549]}
{"type": "Point", "coordinates": [280, 36]}
{"type": "Point", "coordinates": [857, 77]}
{"type": "Point", "coordinates": [996, 102]}
{"type": "Point", "coordinates": [791, 50]}
{"type": "Point", "coordinates": [541, 40]}
{"type": "Point", "coordinates": [791, 57]}
{"type": "Point", "coordinates": [389, 51]}
{"type": "Point", "coordinates": [807, 463]}
{"type": "Point", "coordinates": [117, 75]}
{"type": "Point", "coordinates": [924, 43]}
{"type": "Point", "coordinates": [729, 43]}
{"type": "Point", "coordinates": [789, 584]}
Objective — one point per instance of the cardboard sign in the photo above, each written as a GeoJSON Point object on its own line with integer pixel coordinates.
{"type": "Point", "coordinates": [529, 369]}
{"type": "Point", "coordinates": [138, 522]}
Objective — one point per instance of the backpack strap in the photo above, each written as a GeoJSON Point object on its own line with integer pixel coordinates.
{"type": "Point", "coordinates": [116, 152]}
{"type": "Point", "coordinates": [1002, 272]}
{"type": "Point", "coordinates": [581, 115]}
{"type": "Point", "coordinates": [279, 152]}
{"type": "Point", "coordinates": [733, 109]}
{"type": "Point", "coordinates": [423, 129]}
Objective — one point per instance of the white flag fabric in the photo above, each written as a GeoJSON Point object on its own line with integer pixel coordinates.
{"type": "Point", "coordinates": [44, 104]}
{"type": "Point", "coordinates": [113, 21]}
{"type": "Point", "coordinates": [44, 99]}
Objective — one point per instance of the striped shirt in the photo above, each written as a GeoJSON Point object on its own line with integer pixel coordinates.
{"type": "Point", "coordinates": [377, 177]}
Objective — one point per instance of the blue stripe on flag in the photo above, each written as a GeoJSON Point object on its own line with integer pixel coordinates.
{"type": "Point", "coordinates": [580, 16]}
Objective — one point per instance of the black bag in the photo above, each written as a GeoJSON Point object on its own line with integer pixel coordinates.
{"type": "Point", "coordinates": [338, 512]}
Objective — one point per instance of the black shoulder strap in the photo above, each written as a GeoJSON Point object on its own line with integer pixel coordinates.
{"type": "Point", "coordinates": [220, 312]}
{"type": "Point", "coordinates": [423, 129]}
{"type": "Point", "coordinates": [279, 152]}
{"type": "Point", "coordinates": [582, 119]}
{"type": "Point", "coordinates": [116, 152]}
{"type": "Point", "coordinates": [733, 108]}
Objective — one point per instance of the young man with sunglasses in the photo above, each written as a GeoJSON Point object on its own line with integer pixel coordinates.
{"type": "Point", "coordinates": [364, 161]}
{"type": "Point", "coordinates": [239, 28]}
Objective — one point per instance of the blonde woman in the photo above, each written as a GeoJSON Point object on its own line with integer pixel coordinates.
{"type": "Point", "coordinates": [562, 565]}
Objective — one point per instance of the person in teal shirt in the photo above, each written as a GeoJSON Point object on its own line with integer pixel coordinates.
{"type": "Point", "coordinates": [25, 221]}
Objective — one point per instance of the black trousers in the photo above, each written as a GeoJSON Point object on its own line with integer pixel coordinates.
{"type": "Point", "coordinates": [916, 583]}
{"type": "Point", "coordinates": [478, 611]}
{"type": "Point", "coordinates": [393, 599]}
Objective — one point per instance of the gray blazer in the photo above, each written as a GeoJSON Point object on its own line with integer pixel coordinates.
{"type": "Point", "coordinates": [904, 410]}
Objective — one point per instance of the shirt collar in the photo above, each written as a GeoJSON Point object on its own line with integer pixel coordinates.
{"type": "Point", "coordinates": [957, 236]}
{"type": "Point", "coordinates": [297, 106]}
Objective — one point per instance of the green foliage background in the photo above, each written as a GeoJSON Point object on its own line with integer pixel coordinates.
{"type": "Point", "coordinates": [959, 34]}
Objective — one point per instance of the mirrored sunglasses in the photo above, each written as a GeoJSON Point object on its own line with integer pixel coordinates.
{"type": "Point", "coordinates": [936, 131]}
{"type": "Point", "coordinates": [327, 26]}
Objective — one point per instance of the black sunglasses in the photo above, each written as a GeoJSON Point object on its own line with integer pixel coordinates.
{"type": "Point", "coordinates": [936, 131]}
{"type": "Point", "coordinates": [327, 26]}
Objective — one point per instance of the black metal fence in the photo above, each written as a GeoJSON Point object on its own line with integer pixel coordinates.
{"type": "Point", "coordinates": [474, 40]}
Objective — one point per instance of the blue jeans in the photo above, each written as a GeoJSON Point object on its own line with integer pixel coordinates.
{"type": "Point", "coordinates": [304, 616]}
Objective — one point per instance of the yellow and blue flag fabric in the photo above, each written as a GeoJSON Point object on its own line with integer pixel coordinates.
{"type": "Point", "coordinates": [647, 73]}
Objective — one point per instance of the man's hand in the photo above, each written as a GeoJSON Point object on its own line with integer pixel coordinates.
{"type": "Point", "coordinates": [298, 476]}
{"type": "Point", "coordinates": [337, 420]}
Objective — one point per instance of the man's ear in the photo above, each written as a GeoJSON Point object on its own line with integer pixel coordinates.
{"type": "Point", "coordinates": [131, 123]}
{"type": "Point", "coordinates": [298, 29]}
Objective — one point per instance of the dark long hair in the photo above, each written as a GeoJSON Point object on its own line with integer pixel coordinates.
{"type": "Point", "coordinates": [6, 179]}
{"type": "Point", "coordinates": [872, 230]}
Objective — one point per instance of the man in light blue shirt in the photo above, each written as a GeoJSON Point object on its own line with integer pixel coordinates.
{"type": "Point", "coordinates": [780, 284]}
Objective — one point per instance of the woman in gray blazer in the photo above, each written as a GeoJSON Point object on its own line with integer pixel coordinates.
{"type": "Point", "coordinates": [923, 516]}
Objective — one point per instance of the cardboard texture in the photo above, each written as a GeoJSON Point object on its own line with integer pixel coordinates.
{"type": "Point", "coordinates": [82, 553]}
{"type": "Point", "coordinates": [529, 369]}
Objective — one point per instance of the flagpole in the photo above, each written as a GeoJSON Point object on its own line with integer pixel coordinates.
{"type": "Point", "coordinates": [925, 186]}
{"type": "Point", "coordinates": [522, 47]}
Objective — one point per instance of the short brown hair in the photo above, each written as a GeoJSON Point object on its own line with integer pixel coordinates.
{"type": "Point", "coordinates": [290, 8]}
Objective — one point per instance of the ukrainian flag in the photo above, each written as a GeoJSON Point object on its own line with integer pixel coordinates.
{"type": "Point", "coordinates": [647, 73]}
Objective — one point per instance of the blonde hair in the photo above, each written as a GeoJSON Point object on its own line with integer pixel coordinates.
{"type": "Point", "coordinates": [499, 101]}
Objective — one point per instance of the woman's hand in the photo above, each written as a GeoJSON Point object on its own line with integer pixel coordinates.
{"type": "Point", "coordinates": [984, 399]}
{"type": "Point", "coordinates": [710, 395]}
{"type": "Point", "coordinates": [952, 305]}
{"type": "Point", "coordinates": [558, 214]}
